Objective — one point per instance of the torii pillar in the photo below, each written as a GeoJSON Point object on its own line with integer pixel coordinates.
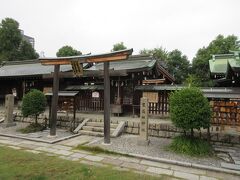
{"type": "Point", "coordinates": [76, 62]}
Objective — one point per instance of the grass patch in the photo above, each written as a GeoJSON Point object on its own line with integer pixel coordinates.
{"type": "Point", "coordinates": [191, 146]}
{"type": "Point", "coordinates": [16, 164]}
{"type": "Point", "coordinates": [31, 128]}
{"type": "Point", "coordinates": [97, 150]}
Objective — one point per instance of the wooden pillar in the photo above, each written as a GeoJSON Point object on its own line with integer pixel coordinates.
{"type": "Point", "coordinates": [106, 104]}
{"type": "Point", "coordinates": [53, 120]}
{"type": "Point", "coordinates": [49, 113]}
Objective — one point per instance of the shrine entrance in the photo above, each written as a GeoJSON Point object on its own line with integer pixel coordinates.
{"type": "Point", "coordinates": [76, 62]}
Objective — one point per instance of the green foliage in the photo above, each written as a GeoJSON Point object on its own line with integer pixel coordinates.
{"type": "Point", "coordinates": [33, 104]}
{"type": "Point", "coordinates": [26, 51]}
{"type": "Point", "coordinates": [68, 51]}
{"type": "Point", "coordinates": [178, 65]}
{"type": "Point", "coordinates": [190, 146]}
{"type": "Point", "coordinates": [12, 45]}
{"type": "Point", "coordinates": [192, 81]}
{"type": "Point", "coordinates": [119, 46]}
{"type": "Point", "coordinates": [158, 53]}
{"type": "Point", "coordinates": [10, 39]}
{"type": "Point", "coordinates": [189, 109]}
{"type": "Point", "coordinates": [33, 127]}
{"type": "Point", "coordinates": [200, 63]}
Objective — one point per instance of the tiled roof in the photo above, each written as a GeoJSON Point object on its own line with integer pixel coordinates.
{"type": "Point", "coordinates": [133, 63]}
{"type": "Point", "coordinates": [29, 68]}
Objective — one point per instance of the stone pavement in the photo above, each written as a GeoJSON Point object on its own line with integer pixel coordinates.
{"type": "Point", "coordinates": [118, 162]}
{"type": "Point", "coordinates": [231, 156]}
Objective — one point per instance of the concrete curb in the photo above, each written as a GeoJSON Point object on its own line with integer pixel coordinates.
{"type": "Point", "coordinates": [39, 140]}
{"type": "Point", "coordinates": [186, 164]}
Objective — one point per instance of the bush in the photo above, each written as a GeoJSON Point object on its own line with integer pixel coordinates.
{"type": "Point", "coordinates": [189, 109]}
{"type": "Point", "coordinates": [191, 146]}
{"type": "Point", "coordinates": [33, 127]}
{"type": "Point", "coordinates": [33, 104]}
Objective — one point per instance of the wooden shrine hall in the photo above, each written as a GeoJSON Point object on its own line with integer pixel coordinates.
{"type": "Point", "coordinates": [125, 76]}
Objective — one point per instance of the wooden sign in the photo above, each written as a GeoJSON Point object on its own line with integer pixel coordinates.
{"type": "Point", "coordinates": [151, 96]}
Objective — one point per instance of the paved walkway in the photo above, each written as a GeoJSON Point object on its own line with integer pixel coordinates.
{"type": "Point", "coordinates": [65, 150]}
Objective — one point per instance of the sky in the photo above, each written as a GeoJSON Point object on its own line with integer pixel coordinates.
{"type": "Point", "coordinates": [95, 25]}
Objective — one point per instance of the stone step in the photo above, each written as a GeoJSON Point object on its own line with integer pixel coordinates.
{"type": "Point", "coordinates": [81, 125]}
{"type": "Point", "coordinates": [101, 121]}
{"type": "Point", "coordinates": [1, 119]}
{"type": "Point", "coordinates": [91, 133]}
{"type": "Point", "coordinates": [119, 129]}
{"type": "Point", "coordinates": [100, 124]}
{"type": "Point", "coordinates": [96, 129]}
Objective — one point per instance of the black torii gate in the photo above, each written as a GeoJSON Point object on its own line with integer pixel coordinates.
{"type": "Point", "coordinates": [76, 62]}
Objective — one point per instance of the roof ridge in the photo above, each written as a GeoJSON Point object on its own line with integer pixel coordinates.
{"type": "Point", "coordinates": [32, 61]}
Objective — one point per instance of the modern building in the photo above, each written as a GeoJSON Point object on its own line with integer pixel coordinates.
{"type": "Point", "coordinates": [28, 38]}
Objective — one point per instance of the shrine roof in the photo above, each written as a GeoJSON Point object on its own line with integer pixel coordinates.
{"type": "Point", "coordinates": [210, 92]}
{"type": "Point", "coordinates": [29, 68]}
{"type": "Point", "coordinates": [132, 64]}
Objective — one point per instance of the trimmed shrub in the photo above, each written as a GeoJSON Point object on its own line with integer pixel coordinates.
{"type": "Point", "coordinates": [189, 109]}
{"type": "Point", "coordinates": [33, 127]}
{"type": "Point", "coordinates": [33, 104]}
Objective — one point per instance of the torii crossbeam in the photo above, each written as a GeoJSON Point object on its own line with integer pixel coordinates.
{"type": "Point", "coordinates": [76, 62]}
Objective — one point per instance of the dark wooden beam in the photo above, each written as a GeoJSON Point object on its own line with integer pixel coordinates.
{"type": "Point", "coordinates": [53, 119]}
{"type": "Point", "coordinates": [107, 57]}
{"type": "Point", "coordinates": [106, 104]}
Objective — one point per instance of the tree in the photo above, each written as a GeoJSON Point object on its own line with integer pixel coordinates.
{"type": "Point", "coordinates": [119, 46]}
{"type": "Point", "coordinates": [158, 53]}
{"type": "Point", "coordinates": [200, 63]}
{"type": "Point", "coordinates": [189, 109]}
{"type": "Point", "coordinates": [192, 81]}
{"type": "Point", "coordinates": [68, 51]}
{"type": "Point", "coordinates": [33, 104]}
{"type": "Point", "coordinates": [26, 51]}
{"type": "Point", "coordinates": [12, 45]}
{"type": "Point", "coordinates": [10, 39]}
{"type": "Point", "coordinates": [178, 65]}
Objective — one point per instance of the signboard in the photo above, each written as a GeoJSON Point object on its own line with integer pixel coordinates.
{"type": "Point", "coordinates": [47, 90]}
{"type": "Point", "coordinates": [151, 96]}
{"type": "Point", "coordinates": [144, 119]}
{"type": "Point", "coordinates": [95, 94]}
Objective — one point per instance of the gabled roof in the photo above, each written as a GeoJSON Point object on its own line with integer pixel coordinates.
{"type": "Point", "coordinates": [135, 63]}
{"type": "Point", "coordinates": [220, 63]}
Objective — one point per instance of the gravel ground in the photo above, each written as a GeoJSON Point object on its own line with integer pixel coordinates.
{"type": "Point", "coordinates": [156, 148]}
{"type": "Point", "coordinates": [38, 135]}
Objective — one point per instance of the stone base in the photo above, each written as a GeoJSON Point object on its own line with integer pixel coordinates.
{"type": "Point", "coordinates": [51, 136]}
{"type": "Point", "coordinates": [6, 125]}
{"type": "Point", "coordinates": [143, 142]}
{"type": "Point", "coordinates": [106, 144]}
